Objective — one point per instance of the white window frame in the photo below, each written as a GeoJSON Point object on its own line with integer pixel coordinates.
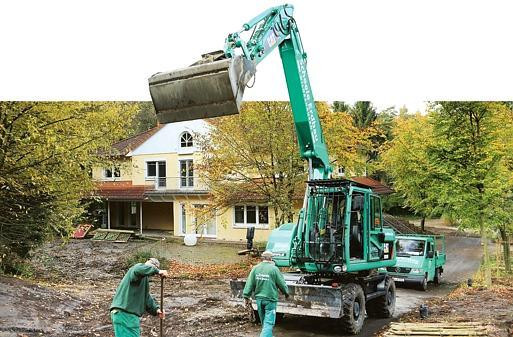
{"type": "Point", "coordinates": [187, 177]}
{"type": "Point", "coordinates": [157, 160]}
{"type": "Point", "coordinates": [192, 140]}
{"type": "Point", "coordinates": [245, 224]}
{"type": "Point", "coordinates": [113, 170]}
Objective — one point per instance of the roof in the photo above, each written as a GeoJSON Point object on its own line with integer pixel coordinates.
{"type": "Point", "coordinates": [376, 186]}
{"type": "Point", "coordinates": [120, 190]}
{"type": "Point", "coordinates": [123, 147]}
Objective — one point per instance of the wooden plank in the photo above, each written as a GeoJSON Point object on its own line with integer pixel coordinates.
{"type": "Point", "coordinates": [437, 329]}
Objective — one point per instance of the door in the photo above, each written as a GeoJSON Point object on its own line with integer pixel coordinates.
{"type": "Point", "coordinates": [356, 223]}
{"type": "Point", "coordinates": [183, 219]}
{"type": "Point", "coordinates": [375, 249]}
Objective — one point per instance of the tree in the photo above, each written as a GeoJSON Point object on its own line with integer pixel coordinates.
{"type": "Point", "coordinates": [345, 141]}
{"type": "Point", "coordinates": [373, 129]}
{"type": "Point", "coordinates": [253, 156]}
{"type": "Point", "coordinates": [405, 159]}
{"type": "Point", "coordinates": [471, 153]}
{"type": "Point", "coordinates": [47, 151]}
{"type": "Point", "coordinates": [145, 118]}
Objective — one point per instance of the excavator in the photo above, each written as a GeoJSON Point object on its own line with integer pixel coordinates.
{"type": "Point", "coordinates": [338, 244]}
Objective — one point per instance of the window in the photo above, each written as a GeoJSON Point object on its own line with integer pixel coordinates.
{"type": "Point", "coordinates": [251, 215]}
{"type": "Point", "coordinates": [375, 212]}
{"type": "Point", "coordinates": [111, 172]}
{"type": "Point", "coordinates": [186, 173]}
{"type": "Point", "coordinates": [186, 140]}
{"type": "Point", "coordinates": [155, 169]}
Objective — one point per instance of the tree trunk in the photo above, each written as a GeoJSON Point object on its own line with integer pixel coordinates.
{"type": "Point", "coordinates": [422, 223]}
{"type": "Point", "coordinates": [505, 247]}
{"type": "Point", "coordinates": [486, 256]}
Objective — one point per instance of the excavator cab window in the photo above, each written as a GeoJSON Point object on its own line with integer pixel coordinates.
{"type": "Point", "coordinates": [356, 227]}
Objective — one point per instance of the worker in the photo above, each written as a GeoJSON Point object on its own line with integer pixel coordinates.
{"type": "Point", "coordinates": [264, 280]}
{"type": "Point", "coordinates": [133, 298]}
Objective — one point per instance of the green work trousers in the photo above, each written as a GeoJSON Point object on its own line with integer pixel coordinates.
{"type": "Point", "coordinates": [125, 324]}
{"type": "Point", "coordinates": [267, 314]}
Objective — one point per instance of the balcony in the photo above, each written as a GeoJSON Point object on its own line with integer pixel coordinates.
{"type": "Point", "coordinates": [176, 185]}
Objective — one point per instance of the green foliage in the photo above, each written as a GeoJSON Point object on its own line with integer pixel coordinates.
{"type": "Point", "coordinates": [47, 152]}
{"type": "Point", "coordinates": [457, 161]}
{"type": "Point", "coordinates": [144, 119]}
{"type": "Point", "coordinates": [405, 159]}
{"type": "Point", "coordinates": [253, 156]}
{"type": "Point", "coordinates": [141, 256]}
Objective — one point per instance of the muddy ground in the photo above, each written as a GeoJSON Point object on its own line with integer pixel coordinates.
{"type": "Point", "coordinates": [492, 308]}
{"type": "Point", "coordinates": [74, 285]}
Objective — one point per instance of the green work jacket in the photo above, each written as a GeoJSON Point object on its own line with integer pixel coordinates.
{"type": "Point", "coordinates": [265, 279]}
{"type": "Point", "coordinates": [133, 293]}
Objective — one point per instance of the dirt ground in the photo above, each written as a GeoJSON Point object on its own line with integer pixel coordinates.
{"type": "Point", "coordinates": [492, 308]}
{"type": "Point", "coordinates": [74, 284]}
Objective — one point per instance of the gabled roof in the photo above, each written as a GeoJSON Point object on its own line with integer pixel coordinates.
{"type": "Point", "coordinates": [376, 186]}
{"type": "Point", "coordinates": [123, 147]}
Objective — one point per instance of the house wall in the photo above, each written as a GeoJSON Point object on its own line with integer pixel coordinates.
{"type": "Point", "coordinates": [172, 168]}
{"type": "Point", "coordinates": [225, 221]}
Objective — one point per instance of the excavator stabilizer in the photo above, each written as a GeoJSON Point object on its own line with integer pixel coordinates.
{"type": "Point", "coordinates": [203, 90]}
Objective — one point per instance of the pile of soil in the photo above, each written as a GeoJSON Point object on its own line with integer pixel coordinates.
{"type": "Point", "coordinates": [492, 307]}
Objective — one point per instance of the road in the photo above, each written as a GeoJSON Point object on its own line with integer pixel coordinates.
{"type": "Point", "coordinates": [463, 258]}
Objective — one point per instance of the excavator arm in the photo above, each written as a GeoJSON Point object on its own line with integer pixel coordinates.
{"type": "Point", "coordinates": [215, 85]}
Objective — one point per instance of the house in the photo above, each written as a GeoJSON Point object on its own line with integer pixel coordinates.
{"type": "Point", "coordinates": [153, 187]}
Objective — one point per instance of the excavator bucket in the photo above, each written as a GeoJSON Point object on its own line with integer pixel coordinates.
{"type": "Point", "coordinates": [208, 88]}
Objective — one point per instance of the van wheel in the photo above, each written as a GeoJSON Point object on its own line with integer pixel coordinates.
{"type": "Point", "coordinates": [353, 308]}
{"type": "Point", "coordinates": [423, 283]}
{"type": "Point", "coordinates": [383, 306]}
{"type": "Point", "coordinates": [436, 279]}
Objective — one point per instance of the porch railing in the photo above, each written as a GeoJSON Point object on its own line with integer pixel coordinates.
{"type": "Point", "coordinates": [177, 183]}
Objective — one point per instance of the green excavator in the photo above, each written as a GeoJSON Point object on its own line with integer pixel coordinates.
{"type": "Point", "coordinates": [338, 243]}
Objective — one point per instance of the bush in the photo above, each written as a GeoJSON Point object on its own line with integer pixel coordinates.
{"type": "Point", "coordinates": [142, 256]}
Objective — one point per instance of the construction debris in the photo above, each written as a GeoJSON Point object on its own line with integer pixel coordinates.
{"type": "Point", "coordinates": [113, 235]}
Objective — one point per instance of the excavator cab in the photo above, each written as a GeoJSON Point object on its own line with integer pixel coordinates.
{"type": "Point", "coordinates": [211, 87]}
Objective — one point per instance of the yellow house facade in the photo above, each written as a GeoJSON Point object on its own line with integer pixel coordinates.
{"type": "Point", "coordinates": [153, 187]}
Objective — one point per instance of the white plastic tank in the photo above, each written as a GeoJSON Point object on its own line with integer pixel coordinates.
{"type": "Point", "coordinates": [190, 239]}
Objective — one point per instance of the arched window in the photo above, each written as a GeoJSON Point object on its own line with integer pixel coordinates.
{"type": "Point", "coordinates": [186, 140]}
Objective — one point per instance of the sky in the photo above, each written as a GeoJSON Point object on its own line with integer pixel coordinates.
{"type": "Point", "coordinates": [392, 53]}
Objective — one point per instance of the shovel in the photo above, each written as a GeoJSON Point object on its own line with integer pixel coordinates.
{"type": "Point", "coordinates": [161, 304]}
{"type": "Point", "coordinates": [208, 89]}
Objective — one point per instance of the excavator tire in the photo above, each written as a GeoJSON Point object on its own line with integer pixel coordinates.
{"type": "Point", "coordinates": [353, 308]}
{"type": "Point", "coordinates": [383, 306]}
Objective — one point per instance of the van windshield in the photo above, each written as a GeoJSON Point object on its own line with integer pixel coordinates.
{"type": "Point", "coordinates": [410, 247]}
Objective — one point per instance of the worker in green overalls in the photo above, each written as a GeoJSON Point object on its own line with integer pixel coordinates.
{"type": "Point", "coordinates": [133, 298]}
{"type": "Point", "coordinates": [265, 279]}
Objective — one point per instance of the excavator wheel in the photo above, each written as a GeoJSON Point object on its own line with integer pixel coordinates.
{"type": "Point", "coordinates": [353, 308]}
{"type": "Point", "coordinates": [383, 306]}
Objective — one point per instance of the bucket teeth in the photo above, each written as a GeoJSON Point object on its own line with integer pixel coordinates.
{"type": "Point", "coordinates": [211, 87]}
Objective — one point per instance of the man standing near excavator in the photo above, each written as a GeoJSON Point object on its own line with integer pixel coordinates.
{"type": "Point", "coordinates": [265, 279]}
{"type": "Point", "coordinates": [133, 298]}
